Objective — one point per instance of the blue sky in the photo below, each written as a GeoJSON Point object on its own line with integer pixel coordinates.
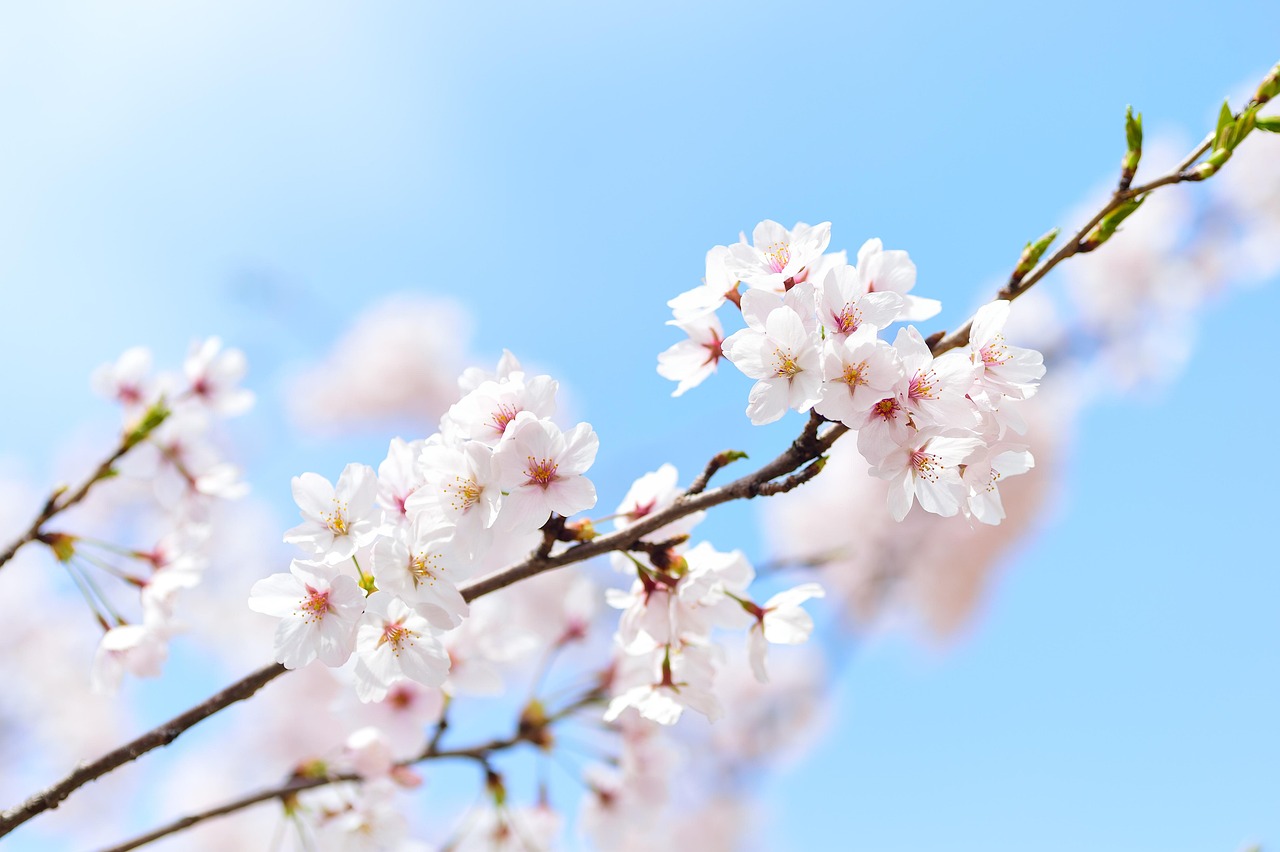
{"type": "Point", "coordinates": [263, 172]}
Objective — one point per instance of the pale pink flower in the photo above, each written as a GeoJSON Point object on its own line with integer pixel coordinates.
{"type": "Point", "coordinates": [786, 361]}
{"type": "Point", "coordinates": [892, 271]}
{"type": "Point", "coordinates": [691, 361]}
{"type": "Point", "coordinates": [393, 643]}
{"type": "Point", "coordinates": [128, 381]}
{"type": "Point", "coordinates": [707, 298]}
{"type": "Point", "coordinates": [1009, 370]}
{"type": "Point", "coordinates": [926, 468]}
{"type": "Point", "coordinates": [844, 306]}
{"type": "Point", "coordinates": [781, 621]}
{"type": "Point", "coordinates": [858, 370]}
{"type": "Point", "coordinates": [337, 520]}
{"type": "Point", "coordinates": [213, 375]}
{"type": "Point", "coordinates": [318, 609]}
{"type": "Point", "coordinates": [777, 256]}
{"type": "Point", "coordinates": [541, 470]}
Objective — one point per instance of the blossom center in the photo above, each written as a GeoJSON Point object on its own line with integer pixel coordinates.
{"type": "Point", "coordinates": [422, 567]}
{"type": "Point", "coordinates": [921, 385]}
{"type": "Point", "coordinates": [540, 472]}
{"type": "Point", "coordinates": [313, 607]}
{"type": "Point", "coordinates": [848, 320]}
{"type": "Point", "coordinates": [466, 493]}
{"type": "Point", "coordinates": [995, 353]}
{"type": "Point", "coordinates": [926, 465]}
{"type": "Point", "coordinates": [395, 634]}
{"type": "Point", "coordinates": [886, 409]}
{"type": "Point", "coordinates": [336, 520]}
{"type": "Point", "coordinates": [854, 374]}
{"type": "Point", "coordinates": [503, 415]}
{"type": "Point", "coordinates": [787, 366]}
{"type": "Point", "coordinates": [778, 255]}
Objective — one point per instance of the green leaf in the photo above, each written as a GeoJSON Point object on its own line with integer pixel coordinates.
{"type": "Point", "coordinates": [1269, 123]}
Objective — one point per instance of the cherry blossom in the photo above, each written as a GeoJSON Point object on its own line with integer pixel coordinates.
{"type": "Point", "coordinates": [318, 609]}
{"type": "Point", "coordinates": [337, 520]}
{"type": "Point", "coordinates": [541, 470]}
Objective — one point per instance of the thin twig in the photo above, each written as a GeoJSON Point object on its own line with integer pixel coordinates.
{"type": "Point", "coordinates": [481, 753]}
{"type": "Point", "coordinates": [1076, 245]}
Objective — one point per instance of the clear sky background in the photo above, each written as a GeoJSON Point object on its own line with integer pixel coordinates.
{"type": "Point", "coordinates": [265, 171]}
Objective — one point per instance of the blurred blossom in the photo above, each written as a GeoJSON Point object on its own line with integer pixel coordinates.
{"type": "Point", "coordinates": [398, 361]}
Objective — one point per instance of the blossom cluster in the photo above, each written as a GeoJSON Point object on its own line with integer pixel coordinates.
{"type": "Point", "coordinates": [941, 429]}
{"type": "Point", "coordinates": [437, 512]}
{"type": "Point", "coordinates": [666, 656]}
{"type": "Point", "coordinates": [170, 443]}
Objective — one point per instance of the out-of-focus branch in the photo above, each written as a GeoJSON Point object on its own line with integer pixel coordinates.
{"type": "Point", "coordinates": [481, 753]}
{"type": "Point", "coordinates": [62, 499]}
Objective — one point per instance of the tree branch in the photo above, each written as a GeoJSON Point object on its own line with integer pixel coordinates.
{"type": "Point", "coordinates": [59, 501]}
{"type": "Point", "coordinates": [52, 796]}
{"type": "Point", "coordinates": [480, 753]}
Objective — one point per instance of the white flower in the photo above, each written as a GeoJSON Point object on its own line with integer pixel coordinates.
{"type": "Point", "coordinates": [128, 380]}
{"type": "Point", "coordinates": [781, 621]}
{"type": "Point", "coordinates": [892, 271]}
{"type": "Point", "coordinates": [662, 684]}
{"type": "Point", "coordinates": [336, 520]}
{"type": "Point", "coordinates": [460, 489]}
{"type": "Point", "coordinates": [541, 470]}
{"type": "Point", "coordinates": [926, 468]}
{"type": "Point", "coordinates": [777, 257]}
{"type": "Point", "coordinates": [705, 299]}
{"type": "Point", "coordinates": [785, 359]}
{"type": "Point", "coordinates": [689, 362]}
{"type": "Point", "coordinates": [213, 375]}
{"type": "Point", "coordinates": [485, 413]}
{"type": "Point", "coordinates": [318, 609]}
{"type": "Point", "coordinates": [422, 567]}
{"type": "Point", "coordinates": [859, 371]}
{"type": "Point", "coordinates": [1009, 370]}
{"type": "Point", "coordinates": [393, 643]}
{"type": "Point", "coordinates": [844, 307]}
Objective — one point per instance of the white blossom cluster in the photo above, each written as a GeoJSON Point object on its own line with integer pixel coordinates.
{"type": "Point", "coordinates": [666, 657]}
{"type": "Point", "coordinates": [940, 429]}
{"type": "Point", "coordinates": [181, 460]}
{"type": "Point", "coordinates": [386, 551]}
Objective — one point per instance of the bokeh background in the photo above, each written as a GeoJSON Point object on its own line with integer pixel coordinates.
{"type": "Point", "coordinates": [545, 176]}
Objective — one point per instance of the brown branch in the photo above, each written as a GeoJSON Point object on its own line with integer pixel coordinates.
{"type": "Point", "coordinates": [804, 449]}
{"type": "Point", "coordinates": [52, 796]}
{"type": "Point", "coordinates": [59, 501]}
{"type": "Point", "coordinates": [481, 753]}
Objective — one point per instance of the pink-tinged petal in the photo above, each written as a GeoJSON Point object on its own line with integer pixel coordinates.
{"type": "Point", "coordinates": [524, 509]}
{"type": "Point", "coordinates": [571, 495]}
